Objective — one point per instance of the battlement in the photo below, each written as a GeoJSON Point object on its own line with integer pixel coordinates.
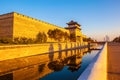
{"type": "Point", "coordinates": [14, 25]}
{"type": "Point", "coordinates": [34, 19]}
{"type": "Point", "coordinates": [11, 14]}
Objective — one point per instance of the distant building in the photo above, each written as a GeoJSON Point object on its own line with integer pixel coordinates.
{"type": "Point", "coordinates": [14, 25]}
{"type": "Point", "coordinates": [106, 38]}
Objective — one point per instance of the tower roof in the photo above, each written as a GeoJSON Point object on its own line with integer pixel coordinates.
{"type": "Point", "coordinates": [73, 23]}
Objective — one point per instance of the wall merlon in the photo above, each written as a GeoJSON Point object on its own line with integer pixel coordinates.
{"type": "Point", "coordinates": [25, 26]}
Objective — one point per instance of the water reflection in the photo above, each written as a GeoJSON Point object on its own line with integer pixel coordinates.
{"type": "Point", "coordinates": [75, 52]}
{"type": "Point", "coordinates": [66, 53]}
{"type": "Point", "coordinates": [59, 55]}
{"type": "Point", "coordinates": [8, 76]}
{"type": "Point", "coordinates": [56, 65]}
{"type": "Point", "coordinates": [59, 47]}
{"type": "Point", "coordinates": [74, 63]}
{"type": "Point", "coordinates": [51, 56]}
{"type": "Point", "coordinates": [41, 68]}
{"type": "Point", "coordinates": [66, 46]}
{"type": "Point", "coordinates": [51, 49]}
{"type": "Point", "coordinates": [43, 65]}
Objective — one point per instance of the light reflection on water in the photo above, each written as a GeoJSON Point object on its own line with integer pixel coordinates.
{"type": "Point", "coordinates": [65, 65]}
{"type": "Point", "coordinates": [74, 67]}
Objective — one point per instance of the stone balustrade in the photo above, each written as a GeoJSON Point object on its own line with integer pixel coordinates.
{"type": "Point", "coordinates": [97, 69]}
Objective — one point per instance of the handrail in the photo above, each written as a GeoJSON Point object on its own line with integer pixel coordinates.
{"type": "Point", "coordinates": [97, 69]}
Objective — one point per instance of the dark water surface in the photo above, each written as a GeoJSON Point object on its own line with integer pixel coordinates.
{"type": "Point", "coordinates": [72, 68]}
{"type": "Point", "coordinates": [65, 65]}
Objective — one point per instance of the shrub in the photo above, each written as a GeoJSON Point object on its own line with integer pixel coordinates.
{"type": "Point", "coordinates": [40, 38]}
{"type": "Point", "coordinates": [23, 40]}
{"type": "Point", "coordinates": [6, 40]}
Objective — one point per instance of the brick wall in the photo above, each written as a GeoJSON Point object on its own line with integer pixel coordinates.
{"type": "Point", "coordinates": [6, 25]}
{"type": "Point", "coordinates": [25, 26]}
{"type": "Point", "coordinates": [14, 25]}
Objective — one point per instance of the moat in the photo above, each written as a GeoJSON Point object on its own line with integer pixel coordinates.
{"type": "Point", "coordinates": [64, 65]}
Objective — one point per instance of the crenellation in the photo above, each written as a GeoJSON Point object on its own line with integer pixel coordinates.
{"type": "Point", "coordinates": [36, 19]}
{"type": "Point", "coordinates": [19, 25]}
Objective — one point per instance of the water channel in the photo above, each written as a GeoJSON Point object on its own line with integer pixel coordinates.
{"type": "Point", "coordinates": [65, 65]}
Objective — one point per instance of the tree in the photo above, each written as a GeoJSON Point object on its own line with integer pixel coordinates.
{"type": "Point", "coordinates": [50, 34]}
{"type": "Point", "coordinates": [55, 34]}
{"type": "Point", "coordinates": [44, 37]}
{"type": "Point", "coordinates": [66, 36]}
{"type": "Point", "coordinates": [117, 39]}
{"type": "Point", "coordinates": [58, 34]}
{"type": "Point", "coordinates": [41, 37]}
{"type": "Point", "coordinates": [88, 39]}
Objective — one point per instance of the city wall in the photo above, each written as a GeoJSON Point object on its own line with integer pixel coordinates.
{"type": "Point", "coordinates": [25, 26]}
{"type": "Point", "coordinates": [6, 25]}
{"type": "Point", "coordinates": [17, 51]}
{"type": "Point", "coordinates": [14, 25]}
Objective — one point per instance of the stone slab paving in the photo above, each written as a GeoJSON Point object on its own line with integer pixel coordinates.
{"type": "Point", "coordinates": [113, 61]}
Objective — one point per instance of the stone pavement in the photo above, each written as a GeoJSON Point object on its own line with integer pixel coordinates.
{"type": "Point", "coordinates": [113, 61]}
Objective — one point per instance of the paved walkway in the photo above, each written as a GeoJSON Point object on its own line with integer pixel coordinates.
{"type": "Point", "coordinates": [113, 61]}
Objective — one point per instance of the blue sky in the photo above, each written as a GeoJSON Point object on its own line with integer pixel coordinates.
{"type": "Point", "coordinates": [97, 17]}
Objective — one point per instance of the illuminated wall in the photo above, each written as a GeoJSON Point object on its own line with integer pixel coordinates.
{"type": "Point", "coordinates": [6, 25]}
{"type": "Point", "coordinates": [17, 25]}
{"type": "Point", "coordinates": [13, 25]}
